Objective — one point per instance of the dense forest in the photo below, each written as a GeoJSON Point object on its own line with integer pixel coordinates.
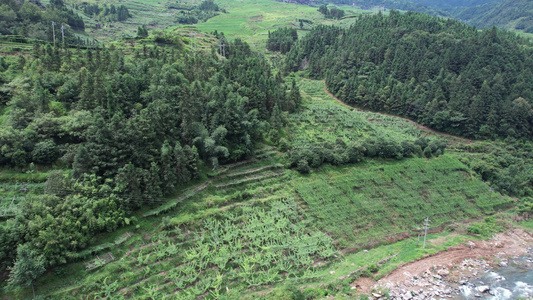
{"type": "Point", "coordinates": [439, 72]}
{"type": "Point", "coordinates": [132, 127]}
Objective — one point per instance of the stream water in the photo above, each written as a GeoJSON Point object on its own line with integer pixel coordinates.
{"type": "Point", "coordinates": [513, 281]}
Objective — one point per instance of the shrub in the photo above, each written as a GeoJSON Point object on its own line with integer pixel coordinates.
{"type": "Point", "coordinates": [303, 167]}
{"type": "Point", "coordinates": [45, 152]}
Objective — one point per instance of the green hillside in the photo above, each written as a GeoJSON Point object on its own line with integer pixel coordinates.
{"type": "Point", "coordinates": [190, 162]}
{"type": "Point", "coordinates": [509, 14]}
{"type": "Point", "coordinates": [253, 224]}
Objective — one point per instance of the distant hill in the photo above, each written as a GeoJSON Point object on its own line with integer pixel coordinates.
{"type": "Point", "coordinates": [369, 4]}
{"type": "Point", "coordinates": [509, 14]}
{"type": "Point", "coordinates": [449, 5]}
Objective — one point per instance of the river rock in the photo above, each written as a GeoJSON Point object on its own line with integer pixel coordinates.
{"type": "Point", "coordinates": [377, 295]}
{"type": "Point", "coordinates": [407, 296]}
{"type": "Point", "coordinates": [443, 272]}
{"type": "Point", "coordinates": [483, 288]}
{"type": "Point", "coordinates": [503, 264]}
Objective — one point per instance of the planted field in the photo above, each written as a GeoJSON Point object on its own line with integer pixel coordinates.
{"type": "Point", "coordinates": [251, 20]}
{"type": "Point", "coordinates": [368, 204]}
{"type": "Point", "coordinates": [251, 246]}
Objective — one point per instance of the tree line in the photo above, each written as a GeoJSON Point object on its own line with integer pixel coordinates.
{"type": "Point", "coordinates": [113, 13]}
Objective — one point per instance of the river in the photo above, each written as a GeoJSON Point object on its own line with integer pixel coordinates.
{"type": "Point", "coordinates": [512, 280]}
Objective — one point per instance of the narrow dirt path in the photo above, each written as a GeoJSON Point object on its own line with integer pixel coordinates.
{"type": "Point", "coordinates": [447, 136]}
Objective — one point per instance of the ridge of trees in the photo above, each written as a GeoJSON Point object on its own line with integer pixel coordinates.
{"type": "Point", "coordinates": [439, 72]}
{"type": "Point", "coordinates": [120, 13]}
{"type": "Point", "coordinates": [333, 12]}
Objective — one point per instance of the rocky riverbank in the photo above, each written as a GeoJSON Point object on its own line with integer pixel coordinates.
{"type": "Point", "coordinates": [458, 273]}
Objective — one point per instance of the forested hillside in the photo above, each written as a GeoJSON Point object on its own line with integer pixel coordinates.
{"type": "Point", "coordinates": [32, 19]}
{"type": "Point", "coordinates": [132, 126]}
{"type": "Point", "coordinates": [438, 72]}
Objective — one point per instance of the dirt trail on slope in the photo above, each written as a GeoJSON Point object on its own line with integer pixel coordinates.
{"type": "Point", "coordinates": [452, 138]}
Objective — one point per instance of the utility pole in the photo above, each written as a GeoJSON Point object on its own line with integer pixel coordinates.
{"type": "Point", "coordinates": [9, 209]}
{"type": "Point", "coordinates": [222, 50]}
{"type": "Point", "coordinates": [426, 224]}
{"type": "Point", "coordinates": [24, 189]}
{"type": "Point", "coordinates": [54, 32]}
{"type": "Point", "coordinates": [193, 42]}
{"type": "Point", "coordinates": [63, 34]}
{"type": "Point", "coordinates": [491, 190]}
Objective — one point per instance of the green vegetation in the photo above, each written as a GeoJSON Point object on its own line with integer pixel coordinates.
{"type": "Point", "coordinates": [110, 14]}
{"type": "Point", "coordinates": [88, 113]}
{"type": "Point", "coordinates": [506, 166]}
{"type": "Point", "coordinates": [423, 74]}
{"type": "Point", "coordinates": [282, 39]}
{"type": "Point", "coordinates": [252, 22]}
{"type": "Point", "coordinates": [182, 164]}
{"type": "Point", "coordinates": [33, 20]}
{"type": "Point", "coordinates": [328, 132]}
{"type": "Point", "coordinates": [487, 228]}
{"type": "Point", "coordinates": [333, 12]}
{"type": "Point", "coordinates": [191, 15]}
{"type": "Point", "coordinates": [372, 203]}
